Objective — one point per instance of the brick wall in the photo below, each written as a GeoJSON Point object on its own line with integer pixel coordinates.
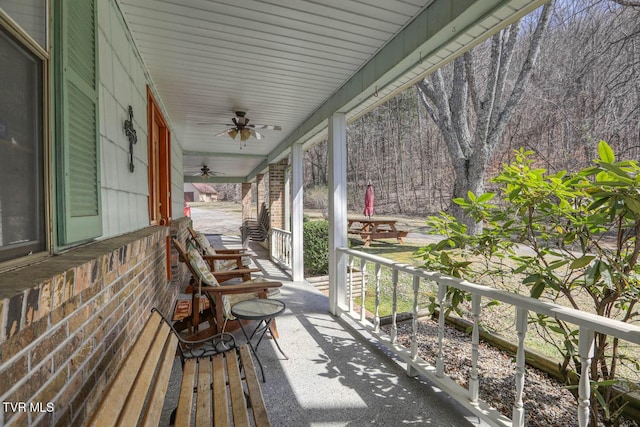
{"type": "Point", "coordinates": [276, 193]}
{"type": "Point", "coordinates": [260, 193]}
{"type": "Point", "coordinates": [247, 199]}
{"type": "Point", "coordinates": [67, 323]}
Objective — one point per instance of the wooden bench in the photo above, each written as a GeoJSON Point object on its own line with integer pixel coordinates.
{"type": "Point", "coordinates": [213, 370]}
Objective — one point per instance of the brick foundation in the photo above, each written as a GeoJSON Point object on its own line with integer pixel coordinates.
{"type": "Point", "coordinates": [67, 323]}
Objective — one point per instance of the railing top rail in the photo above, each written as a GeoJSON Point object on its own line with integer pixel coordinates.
{"type": "Point", "coordinates": [280, 230]}
{"type": "Point", "coordinates": [626, 331]}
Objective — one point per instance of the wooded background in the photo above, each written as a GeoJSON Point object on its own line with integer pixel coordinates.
{"type": "Point", "coordinates": [583, 87]}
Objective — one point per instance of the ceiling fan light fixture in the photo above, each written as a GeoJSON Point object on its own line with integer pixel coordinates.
{"type": "Point", "coordinates": [245, 134]}
{"type": "Point", "coordinates": [233, 133]}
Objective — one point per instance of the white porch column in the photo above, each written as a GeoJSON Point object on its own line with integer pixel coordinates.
{"type": "Point", "coordinates": [297, 213]}
{"type": "Point", "coordinates": [337, 211]}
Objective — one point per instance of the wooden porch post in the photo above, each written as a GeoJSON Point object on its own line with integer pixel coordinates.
{"type": "Point", "coordinates": [337, 211]}
{"type": "Point", "coordinates": [297, 214]}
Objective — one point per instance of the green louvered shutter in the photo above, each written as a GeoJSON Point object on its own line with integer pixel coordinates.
{"type": "Point", "coordinates": [78, 159]}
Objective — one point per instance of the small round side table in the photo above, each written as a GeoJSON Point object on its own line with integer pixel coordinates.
{"type": "Point", "coordinates": [263, 310]}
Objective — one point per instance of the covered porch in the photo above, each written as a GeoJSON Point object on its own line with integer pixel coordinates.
{"type": "Point", "coordinates": [337, 373]}
{"type": "Point", "coordinates": [178, 74]}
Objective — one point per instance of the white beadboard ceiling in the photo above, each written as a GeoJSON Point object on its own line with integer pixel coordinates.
{"type": "Point", "coordinates": [292, 63]}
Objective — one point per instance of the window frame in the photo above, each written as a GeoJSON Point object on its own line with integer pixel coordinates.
{"type": "Point", "coordinates": [43, 55]}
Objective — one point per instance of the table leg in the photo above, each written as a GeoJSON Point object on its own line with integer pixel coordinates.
{"type": "Point", "coordinates": [255, 353]}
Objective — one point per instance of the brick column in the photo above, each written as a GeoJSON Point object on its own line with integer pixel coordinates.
{"type": "Point", "coordinates": [260, 192]}
{"type": "Point", "coordinates": [246, 201]}
{"type": "Point", "coordinates": [277, 194]}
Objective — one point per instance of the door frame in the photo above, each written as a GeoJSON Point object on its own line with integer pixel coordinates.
{"type": "Point", "coordinates": [159, 170]}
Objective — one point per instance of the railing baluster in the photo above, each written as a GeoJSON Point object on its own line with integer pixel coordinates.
{"type": "Point", "coordinates": [474, 385]}
{"type": "Point", "coordinates": [376, 320]}
{"type": "Point", "coordinates": [442, 291]}
{"type": "Point", "coordinates": [394, 312]}
{"type": "Point", "coordinates": [363, 288]}
{"type": "Point", "coordinates": [518, 407]}
{"type": "Point", "coordinates": [414, 322]}
{"type": "Point", "coordinates": [414, 326]}
{"type": "Point", "coordinates": [585, 350]}
{"type": "Point", "coordinates": [350, 281]}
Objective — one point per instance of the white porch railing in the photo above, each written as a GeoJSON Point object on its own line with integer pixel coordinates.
{"type": "Point", "coordinates": [588, 324]}
{"type": "Point", "coordinates": [281, 247]}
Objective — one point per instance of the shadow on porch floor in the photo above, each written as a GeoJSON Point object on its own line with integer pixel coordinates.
{"type": "Point", "coordinates": [334, 376]}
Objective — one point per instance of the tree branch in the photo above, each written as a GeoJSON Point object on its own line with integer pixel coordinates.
{"type": "Point", "coordinates": [508, 43]}
{"type": "Point", "coordinates": [629, 3]}
{"type": "Point", "coordinates": [458, 107]}
{"type": "Point", "coordinates": [426, 95]}
{"type": "Point", "coordinates": [470, 74]}
{"type": "Point", "coordinates": [525, 72]}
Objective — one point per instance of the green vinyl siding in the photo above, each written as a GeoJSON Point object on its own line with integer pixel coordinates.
{"type": "Point", "coordinates": [77, 137]}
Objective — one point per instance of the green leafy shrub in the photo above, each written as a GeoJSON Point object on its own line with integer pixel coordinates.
{"type": "Point", "coordinates": [316, 247]}
{"type": "Point", "coordinates": [581, 233]}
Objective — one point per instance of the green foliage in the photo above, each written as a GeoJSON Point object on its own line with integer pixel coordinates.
{"type": "Point", "coordinates": [581, 235]}
{"type": "Point", "coordinates": [316, 247]}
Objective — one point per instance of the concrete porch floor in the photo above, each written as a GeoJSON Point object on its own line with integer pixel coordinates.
{"type": "Point", "coordinates": [334, 376]}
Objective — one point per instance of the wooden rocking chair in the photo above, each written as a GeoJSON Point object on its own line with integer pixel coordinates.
{"type": "Point", "coordinates": [225, 266]}
{"type": "Point", "coordinates": [221, 297]}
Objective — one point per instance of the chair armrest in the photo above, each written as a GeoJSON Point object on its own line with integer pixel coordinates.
{"type": "Point", "coordinates": [234, 273]}
{"type": "Point", "coordinates": [242, 288]}
{"type": "Point", "coordinates": [204, 347]}
{"type": "Point", "coordinates": [225, 256]}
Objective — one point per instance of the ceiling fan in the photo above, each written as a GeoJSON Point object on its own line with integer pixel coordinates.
{"type": "Point", "coordinates": [241, 126]}
{"type": "Point", "coordinates": [206, 173]}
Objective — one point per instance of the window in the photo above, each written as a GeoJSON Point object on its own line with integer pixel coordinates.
{"type": "Point", "coordinates": [22, 177]}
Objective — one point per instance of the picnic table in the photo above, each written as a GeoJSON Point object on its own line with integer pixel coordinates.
{"type": "Point", "coordinates": [378, 228]}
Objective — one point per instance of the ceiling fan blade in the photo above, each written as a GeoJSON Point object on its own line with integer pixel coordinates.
{"type": "Point", "coordinates": [215, 124]}
{"type": "Point", "coordinates": [266, 127]}
{"type": "Point", "coordinates": [226, 132]}
{"type": "Point", "coordinates": [256, 135]}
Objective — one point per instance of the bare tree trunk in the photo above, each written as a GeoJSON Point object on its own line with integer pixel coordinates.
{"type": "Point", "coordinates": [471, 140]}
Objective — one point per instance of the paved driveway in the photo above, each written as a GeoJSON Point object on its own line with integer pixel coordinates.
{"type": "Point", "coordinates": [224, 218]}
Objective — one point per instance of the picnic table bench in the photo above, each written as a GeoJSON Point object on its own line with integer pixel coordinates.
{"type": "Point", "coordinates": [215, 373]}
{"type": "Point", "coordinates": [379, 228]}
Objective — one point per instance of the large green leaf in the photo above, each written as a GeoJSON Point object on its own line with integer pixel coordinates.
{"type": "Point", "coordinates": [605, 152]}
{"type": "Point", "coordinates": [632, 204]}
{"type": "Point", "coordinates": [581, 262]}
{"type": "Point", "coordinates": [537, 290]}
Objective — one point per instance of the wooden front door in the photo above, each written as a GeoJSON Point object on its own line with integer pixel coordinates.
{"type": "Point", "coordinates": [159, 170]}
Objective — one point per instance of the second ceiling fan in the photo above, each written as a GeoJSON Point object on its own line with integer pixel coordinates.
{"type": "Point", "coordinates": [242, 127]}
